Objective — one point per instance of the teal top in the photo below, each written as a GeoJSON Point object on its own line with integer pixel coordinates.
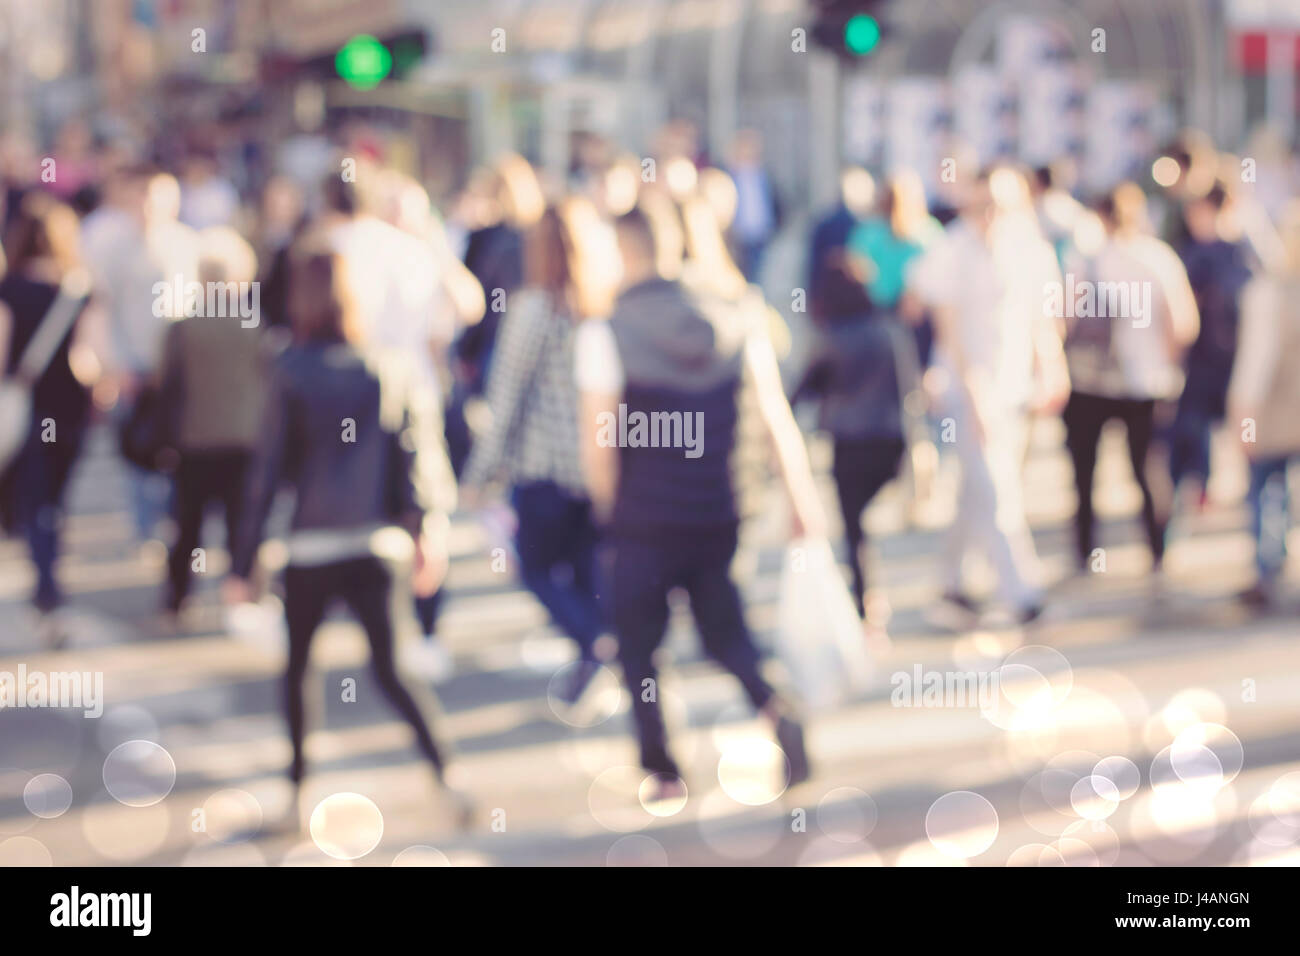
{"type": "Point", "coordinates": [875, 240]}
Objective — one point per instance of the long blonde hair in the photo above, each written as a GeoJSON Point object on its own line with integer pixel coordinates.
{"type": "Point", "coordinates": [563, 258]}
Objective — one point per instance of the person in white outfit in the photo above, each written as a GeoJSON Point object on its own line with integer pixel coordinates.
{"type": "Point", "coordinates": [984, 281]}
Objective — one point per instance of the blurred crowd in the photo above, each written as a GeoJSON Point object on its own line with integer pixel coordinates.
{"type": "Point", "coordinates": [388, 361]}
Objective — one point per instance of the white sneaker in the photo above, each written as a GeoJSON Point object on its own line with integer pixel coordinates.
{"type": "Point", "coordinates": [429, 660]}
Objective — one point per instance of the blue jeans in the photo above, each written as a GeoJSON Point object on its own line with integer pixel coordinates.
{"type": "Point", "coordinates": [1270, 514]}
{"type": "Point", "coordinates": [1200, 407]}
{"type": "Point", "coordinates": [150, 492]}
{"type": "Point", "coordinates": [556, 542]}
{"type": "Point", "coordinates": [41, 474]}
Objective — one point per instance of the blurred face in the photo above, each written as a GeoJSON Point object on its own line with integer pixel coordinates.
{"type": "Point", "coordinates": [162, 199]}
{"type": "Point", "coordinates": [977, 207]}
{"type": "Point", "coordinates": [637, 266]}
{"type": "Point", "coordinates": [282, 203]}
{"type": "Point", "coordinates": [1202, 220]}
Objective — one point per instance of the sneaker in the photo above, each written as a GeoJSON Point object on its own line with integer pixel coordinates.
{"type": "Point", "coordinates": [789, 735]}
{"type": "Point", "coordinates": [429, 660]}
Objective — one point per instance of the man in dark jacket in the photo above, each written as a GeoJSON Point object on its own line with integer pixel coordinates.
{"type": "Point", "coordinates": [657, 427]}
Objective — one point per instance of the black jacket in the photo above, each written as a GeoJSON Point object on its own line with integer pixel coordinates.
{"type": "Point", "coordinates": [354, 435]}
{"type": "Point", "coordinates": [859, 371]}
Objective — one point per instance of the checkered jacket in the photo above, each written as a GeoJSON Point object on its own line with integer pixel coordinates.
{"type": "Point", "coordinates": [533, 400]}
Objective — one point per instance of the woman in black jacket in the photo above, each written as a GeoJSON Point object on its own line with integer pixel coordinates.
{"type": "Point", "coordinates": [347, 429]}
{"type": "Point", "coordinates": [863, 363]}
{"type": "Point", "coordinates": [41, 243]}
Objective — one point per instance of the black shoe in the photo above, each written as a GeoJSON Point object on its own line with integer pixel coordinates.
{"type": "Point", "coordinates": [956, 612]}
{"type": "Point", "coordinates": [667, 786]}
{"type": "Point", "coordinates": [962, 601]}
{"type": "Point", "coordinates": [578, 681]}
{"type": "Point", "coordinates": [789, 735]}
{"type": "Point", "coordinates": [1258, 597]}
{"type": "Point", "coordinates": [1030, 613]}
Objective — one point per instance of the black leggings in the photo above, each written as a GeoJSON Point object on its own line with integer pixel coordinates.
{"type": "Point", "coordinates": [202, 478]}
{"type": "Point", "coordinates": [366, 585]}
{"type": "Point", "coordinates": [862, 466]}
{"type": "Point", "coordinates": [1084, 417]}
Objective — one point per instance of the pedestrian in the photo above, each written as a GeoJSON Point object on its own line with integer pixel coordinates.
{"type": "Point", "coordinates": [345, 428]}
{"type": "Point", "coordinates": [1217, 269]}
{"type": "Point", "coordinates": [984, 281]}
{"type": "Point", "coordinates": [830, 236]}
{"type": "Point", "coordinates": [758, 208]}
{"type": "Point", "coordinates": [401, 307]}
{"type": "Point", "coordinates": [887, 243]}
{"type": "Point", "coordinates": [508, 202]}
{"type": "Point", "coordinates": [533, 440]}
{"type": "Point", "coordinates": [1264, 402]}
{"type": "Point", "coordinates": [668, 354]}
{"type": "Point", "coordinates": [41, 246]}
{"type": "Point", "coordinates": [133, 258]}
{"type": "Point", "coordinates": [212, 383]}
{"type": "Point", "coordinates": [863, 365]}
{"type": "Point", "coordinates": [1123, 359]}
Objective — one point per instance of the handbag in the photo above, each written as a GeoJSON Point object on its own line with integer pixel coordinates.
{"type": "Point", "coordinates": [16, 389]}
{"type": "Point", "coordinates": [145, 436]}
{"type": "Point", "coordinates": [819, 634]}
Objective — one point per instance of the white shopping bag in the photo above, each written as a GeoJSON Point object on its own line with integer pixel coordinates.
{"type": "Point", "coordinates": [260, 625]}
{"type": "Point", "coordinates": [819, 634]}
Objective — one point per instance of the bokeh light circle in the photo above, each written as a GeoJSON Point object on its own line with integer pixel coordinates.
{"type": "Point", "coordinates": [961, 824]}
{"type": "Point", "coordinates": [47, 795]}
{"type": "Point", "coordinates": [139, 773]}
{"type": "Point", "coordinates": [346, 826]}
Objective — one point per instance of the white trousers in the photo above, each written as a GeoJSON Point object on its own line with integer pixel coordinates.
{"type": "Point", "coordinates": [990, 518]}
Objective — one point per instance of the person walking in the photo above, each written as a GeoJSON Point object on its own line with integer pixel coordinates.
{"type": "Point", "coordinates": [132, 258]}
{"type": "Point", "coordinates": [401, 307]}
{"type": "Point", "coordinates": [670, 503]}
{"type": "Point", "coordinates": [346, 428]}
{"type": "Point", "coordinates": [1217, 270]}
{"type": "Point", "coordinates": [863, 364]}
{"type": "Point", "coordinates": [212, 382]}
{"type": "Point", "coordinates": [984, 280]}
{"type": "Point", "coordinates": [1264, 402]}
{"type": "Point", "coordinates": [533, 440]}
{"type": "Point", "coordinates": [41, 244]}
{"type": "Point", "coordinates": [1123, 360]}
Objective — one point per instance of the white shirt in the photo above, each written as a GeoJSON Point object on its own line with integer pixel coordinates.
{"type": "Point", "coordinates": [1140, 344]}
{"type": "Point", "coordinates": [397, 283]}
{"type": "Point", "coordinates": [596, 365]}
{"type": "Point", "coordinates": [127, 264]}
{"type": "Point", "coordinates": [213, 202]}
{"type": "Point", "coordinates": [995, 290]}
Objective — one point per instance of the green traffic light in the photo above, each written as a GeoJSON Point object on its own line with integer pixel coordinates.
{"type": "Point", "coordinates": [363, 61]}
{"type": "Point", "coordinates": [861, 34]}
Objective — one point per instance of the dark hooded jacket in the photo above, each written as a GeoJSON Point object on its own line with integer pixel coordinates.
{"type": "Point", "coordinates": [682, 354]}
